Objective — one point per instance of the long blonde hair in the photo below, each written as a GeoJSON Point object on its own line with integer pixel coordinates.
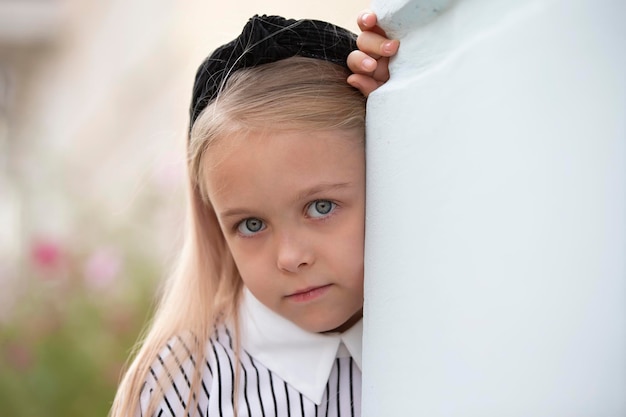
{"type": "Point", "coordinates": [204, 290]}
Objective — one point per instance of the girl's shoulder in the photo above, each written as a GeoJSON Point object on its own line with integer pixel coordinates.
{"type": "Point", "coordinates": [178, 371]}
{"type": "Point", "coordinates": [259, 390]}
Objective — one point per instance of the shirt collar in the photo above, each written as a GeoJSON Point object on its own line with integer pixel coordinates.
{"type": "Point", "coordinates": [302, 359]}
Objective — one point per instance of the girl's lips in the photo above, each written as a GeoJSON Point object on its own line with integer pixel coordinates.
{"type": "Point", "coordinates": [308, 294]}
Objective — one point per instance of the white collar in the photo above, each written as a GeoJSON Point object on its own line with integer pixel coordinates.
{"type": "Point", "coordinates": [301, 358]}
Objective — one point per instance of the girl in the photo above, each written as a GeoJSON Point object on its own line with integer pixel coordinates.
{"type": "Point", "coordinates": [263, 315]}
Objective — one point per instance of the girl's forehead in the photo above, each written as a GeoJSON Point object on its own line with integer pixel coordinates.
{"type": "Point", "coordinates": [281, 157]}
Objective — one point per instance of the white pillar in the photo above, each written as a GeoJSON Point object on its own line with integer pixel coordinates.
{"type": "Point", "coordinates": [496, 211]}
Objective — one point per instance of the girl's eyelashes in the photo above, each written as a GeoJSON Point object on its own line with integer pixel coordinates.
{"type": "Point", "coordinates": [320, 208]}
{"type": "Point", "coordinates": [250, 226]}
{"type": "Point", "coordinates": [317, 209]}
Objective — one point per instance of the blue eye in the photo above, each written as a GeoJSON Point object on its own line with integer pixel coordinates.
{"type": "Point", "coordinates": [320, 208]}
{"type": "Point", "coordinates": [249, 227]}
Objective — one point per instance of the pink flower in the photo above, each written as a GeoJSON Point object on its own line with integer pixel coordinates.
{"type": "Point", "coordinates": [102, 268]}
{"type": "Point", "coordinates": [46, 254]}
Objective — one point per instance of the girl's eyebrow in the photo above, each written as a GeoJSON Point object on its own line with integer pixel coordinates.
{"type": "Point", "coordinates": [303, 195]}
{"type": "Point", "coordinates": [320, 188]}
{"type": "Point", "coordinates": [235, 212]}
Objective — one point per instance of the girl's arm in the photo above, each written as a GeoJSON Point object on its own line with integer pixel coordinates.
{"type": "Point", "coordinates": [370, 63]}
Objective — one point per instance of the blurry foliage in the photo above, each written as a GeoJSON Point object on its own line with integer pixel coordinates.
{"type": "Point", "coordinates": [72, 331]}
{"type": "Point", "coordinates": [85, 286]}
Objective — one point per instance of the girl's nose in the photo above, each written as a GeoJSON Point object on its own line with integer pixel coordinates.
{"type": "Point", "coordinates": [294, 254]}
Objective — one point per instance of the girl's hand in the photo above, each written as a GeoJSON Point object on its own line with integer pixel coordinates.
{"type": "Point", "coordinates": [370, 63]}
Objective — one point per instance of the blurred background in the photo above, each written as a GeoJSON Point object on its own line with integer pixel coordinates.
{"type": "Point", "coordinates": [93, 114]}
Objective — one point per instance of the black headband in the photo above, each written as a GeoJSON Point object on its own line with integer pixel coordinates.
{"type": "Point", "coordinates": [267, 39]}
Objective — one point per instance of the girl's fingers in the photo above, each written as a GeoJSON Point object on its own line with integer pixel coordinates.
{"type": "Point", "coordinates": [381, 73]}
{"type": "Point", "coordinates": [361, 63]}
{"type": "Point", "coordinates": [366, 20]}
{"type": "Point", "coordinates": [370, 63]}
{"type": "Point", "coordinates": [364, 83]}
{"type": "Point", "coordinates": [376, 45]}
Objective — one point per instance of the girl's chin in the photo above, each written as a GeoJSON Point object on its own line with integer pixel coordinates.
{"type": "Point", "coordinates": [347, 324]}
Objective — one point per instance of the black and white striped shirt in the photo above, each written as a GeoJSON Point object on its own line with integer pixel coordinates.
{"type": "Point", "coordinates": [283, 371]}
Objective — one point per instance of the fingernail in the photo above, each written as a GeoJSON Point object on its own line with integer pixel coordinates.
{"type": "Point", "coordinates": [388, 47]}
{"type": "Point", "coordinates": [369, 64]}
{"type": "Point", "coordinates": [365, 17]}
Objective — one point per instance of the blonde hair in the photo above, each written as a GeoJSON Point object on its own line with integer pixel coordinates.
{"type": "Point", "coordinates": [295, 93]}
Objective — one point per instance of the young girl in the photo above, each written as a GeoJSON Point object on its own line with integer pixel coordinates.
{"type": "Point", "coordinates": [263, 315]}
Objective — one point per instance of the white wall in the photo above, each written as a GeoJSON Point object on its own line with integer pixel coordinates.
{"type": "Point", "coordinates": [496, 235]}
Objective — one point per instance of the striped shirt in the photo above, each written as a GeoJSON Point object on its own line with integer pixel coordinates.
{"type": "Point", "coordinates": [298, 374]}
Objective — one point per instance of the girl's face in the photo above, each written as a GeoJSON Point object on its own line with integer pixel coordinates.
{"type": "Point", "coordinates": [291, 206]}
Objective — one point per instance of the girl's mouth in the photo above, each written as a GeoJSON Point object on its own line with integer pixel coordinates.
{"type": "Point", "coordinates": [308, 294]}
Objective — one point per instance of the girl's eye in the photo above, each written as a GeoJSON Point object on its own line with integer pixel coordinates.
{"type": "Point", "coordinates": [250, 226]}
{"type": "Point", "coordinates": [320, 208]}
